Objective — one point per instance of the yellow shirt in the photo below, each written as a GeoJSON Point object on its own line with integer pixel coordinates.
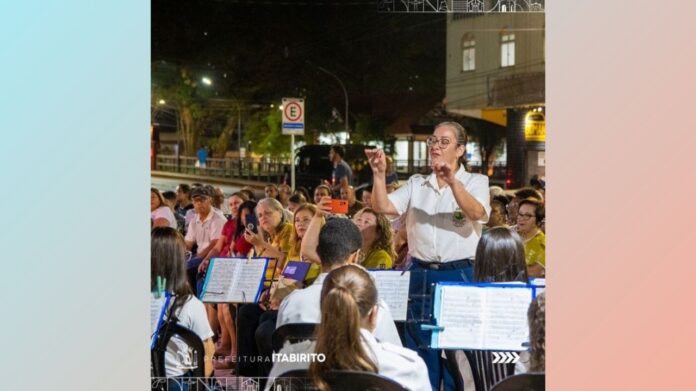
{"type": "Point", "coordinates": [314, 269]}
{"type": "Point", "coordinates": [379, 259]}
{"type": "Point", "coordinates": [281, 242]}
{"type": "Point", "coordinates": [535, 249]}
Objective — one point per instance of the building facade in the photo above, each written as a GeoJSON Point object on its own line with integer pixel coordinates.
{"type": "Point", "coordinates": [496, 73]}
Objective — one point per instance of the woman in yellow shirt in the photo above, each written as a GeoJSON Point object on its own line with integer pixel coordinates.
{"type": "Point", "coordinates": [378, 248]}
{"type": "Point", "coordinates": [529, 219]}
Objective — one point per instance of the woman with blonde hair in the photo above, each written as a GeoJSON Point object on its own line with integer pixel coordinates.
{"type": "Point", "coordinates": [344, 336]}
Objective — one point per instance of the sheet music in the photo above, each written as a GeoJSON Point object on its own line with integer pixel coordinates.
{"type": "Point", "coordinates": [155, 311]}
{"type": "Point", "coordinates": [392, 287]}
{"type": "Point", "coordinates": [506, 318]}
{"type": "Point", "coordinates": [483, 318]}
{"type": "Point", "coordinates": [248, 281]}
{"type": "Point", "coordinates": [234, 280]}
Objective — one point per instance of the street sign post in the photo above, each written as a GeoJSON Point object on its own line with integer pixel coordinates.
{"type": "Point", "coordinates": [293, 124]}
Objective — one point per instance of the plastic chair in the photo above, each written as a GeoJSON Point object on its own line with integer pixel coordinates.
{"type": "Point", "coordinates": [293, 332]}
{"type": "Point", "coordinates": [298, 380]}
{"type": "Point", "coordinates": [523, 382]}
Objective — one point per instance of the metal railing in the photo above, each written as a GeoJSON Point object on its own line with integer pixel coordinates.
{"type": "Point", "coordinates": [263, 169]}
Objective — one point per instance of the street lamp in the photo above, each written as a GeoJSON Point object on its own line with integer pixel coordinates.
{"type": "Point", "coordinates": [206, 80]}
{"type": "Point", "coordinates": [345, 93]}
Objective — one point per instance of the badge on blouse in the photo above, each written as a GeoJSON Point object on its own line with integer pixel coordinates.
{"type": "Point", "coordinates": [458, 218]}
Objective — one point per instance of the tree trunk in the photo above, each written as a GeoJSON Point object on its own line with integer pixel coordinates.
{"type": "Point", "coordinates": [187, 129]}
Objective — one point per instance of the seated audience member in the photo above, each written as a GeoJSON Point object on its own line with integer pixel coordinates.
{"type": "Point", "coordinates": [498, 217]}
{"type": "Point", "coordinates": [284, 193]}
{"type": "Point", "coordinates": [348, 194]}
{"type": "Point", "coordinates": [496, 191]}
{"type": "Point", "coordinates": [284, 286]}
{"type": "Point", "coordinates": [240, 247]}
{"type": "Point", "coordinates": [295, 201]}
{"type": "Point", "coordinates": [203, 232]}
{"type": "Point", "coordinates": [183, 199]}
{"type": "Point", "coordinates": [349, 312]}
{"type": "Point", "coordinates": [249, 193]}
{"type": "Point", "coordinates": [321, 191]}
{"type": "Point", "coordinates": [339, 243]}
{"type": "Point", "coordinates": [160, 213]}
{"type": "Point", "coordinates": [168, 261]}
{"type": "Point", "coordinates": [272, 241]}
{"type": "Point", "coordinates": [226, 241]}
{"type": "Point", "coordinates": [529, 220]}
{"type": "Point", "coordinates": [170, 199]}
{"type": "Point", "coordinates": [514, 204]}
{"type": "Point", "coordinates": [300, 190]}
{"type": "Point", "coordinates": [499, 258]}
{"type": "Point", "coordinates": [537, 333]}
{"type": "Point", "coordinates": [377, 250]}
{"type": "Point", "coordinates": [367, 197]}
{"type": "Point", "coordinates": [271, 191]}
{"type": "Point", "coordinates": [227, 343]}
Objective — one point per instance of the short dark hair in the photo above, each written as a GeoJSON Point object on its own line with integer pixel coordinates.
{"type": "Point", "coordinates": [338, 239]}
{"type": "Point", "coordinates": [184, 188]}
{"type": "Point", "coordinates": [169, 195]}
{"type": "Point", "coordinates": [297, 199]}
{"type": "Point", "coordinates": [539, 211]}
{"type": "Point", "coordinates": [338, 149]}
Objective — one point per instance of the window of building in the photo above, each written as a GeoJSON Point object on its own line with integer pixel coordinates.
{"type": "Point", "coordinates": [468, 52]}
{"type": "Point", "coordinates": [507, 49]}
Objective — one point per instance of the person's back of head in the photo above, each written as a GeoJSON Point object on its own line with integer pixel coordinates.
{"type": "Point", "coordinates": [500, 257]}
{"type": "Point", "coordinates": [348, 303]}
{"type": "Point", "coordinates": [297, 199]}
{"type": "Point", "coordinates": [338, 239]}
{"type": "Point", "coordinates": [537, 333]}
{"type": "Point", "coordinates": [168, 260]}
{"type": "Point", "coordinates": [528, 192]}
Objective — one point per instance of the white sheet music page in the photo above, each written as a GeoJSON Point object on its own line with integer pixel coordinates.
{"type": "Point", "coordinates": [506, 318]}
{"type": "Point", "coordinates": [248, 281]}
{"type": "Point", "coordinates": [484, 318]}
{"type": "Point", "coordinates": [221, 275]}
{"type": "Point", "coordinates": [461, 317]}
{"type": "Point", "coordinates": [234, 280]}
{"type": "Point", "coordinates": [155, 311]}
{"type": "Point", "coordinates": [392, 287]}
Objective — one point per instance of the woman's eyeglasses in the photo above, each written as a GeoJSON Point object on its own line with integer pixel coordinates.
{"type": "Point", "coordinates": [433, 141]}
{"type": "Point", "coordinates": [524, 216]}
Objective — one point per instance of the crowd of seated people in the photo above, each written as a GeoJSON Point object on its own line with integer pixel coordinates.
{"type": "Point", "coordinates": [356, 330]}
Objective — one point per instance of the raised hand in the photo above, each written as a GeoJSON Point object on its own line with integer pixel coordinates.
{"type": "Point", "coordinates": [324, 206]}
{"type": "Point", "coordinates": [444, 171]}
{"type": "Point", "coordinates": [377, 160]}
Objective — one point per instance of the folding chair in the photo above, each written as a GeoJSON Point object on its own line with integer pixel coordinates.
{"type": "Point", "coordinates": [293, 332]}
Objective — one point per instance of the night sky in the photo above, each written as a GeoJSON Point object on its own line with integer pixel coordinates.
{"type": "Point", "coordinates": [392, 64]}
